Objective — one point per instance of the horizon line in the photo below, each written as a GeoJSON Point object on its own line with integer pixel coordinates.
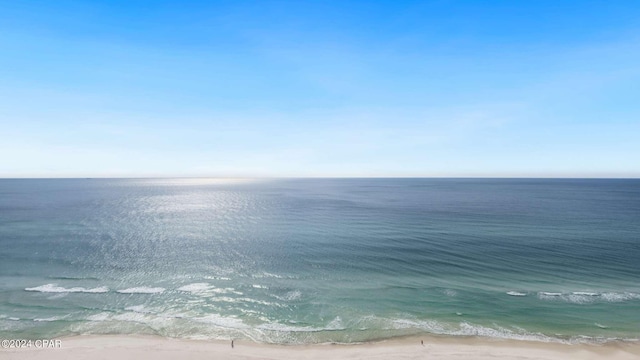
{"type": "Point", "coordinates": [637, 177]}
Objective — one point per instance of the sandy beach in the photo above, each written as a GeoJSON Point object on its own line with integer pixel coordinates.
{"type": "Point", "coordinates": [157, 348]}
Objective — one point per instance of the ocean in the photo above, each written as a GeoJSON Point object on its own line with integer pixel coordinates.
{"type": "Point", "coordinates": [300, 261]}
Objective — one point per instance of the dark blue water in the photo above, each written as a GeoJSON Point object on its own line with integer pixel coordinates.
{"type": "Point", "coordinates": [321, 260]}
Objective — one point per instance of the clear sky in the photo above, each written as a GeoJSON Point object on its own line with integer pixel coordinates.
{"type": "Point", "coordinates": [319, 88]}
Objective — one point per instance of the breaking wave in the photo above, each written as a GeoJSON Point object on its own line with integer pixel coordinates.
{"type": "Point", "coordinates": [54, 288]}
{"type": "Point", "coordinates": [142, 290]}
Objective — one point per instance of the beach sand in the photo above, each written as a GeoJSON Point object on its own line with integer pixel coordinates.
{"type": "Point", "coordinates": [121, 347]}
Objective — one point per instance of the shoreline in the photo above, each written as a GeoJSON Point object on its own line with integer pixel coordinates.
{"type": "Point", "coordinates": [156, 347]}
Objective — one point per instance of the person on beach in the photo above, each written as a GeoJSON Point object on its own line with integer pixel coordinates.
{"type": "Point", "coordinates": [232, 344]}
{"type": "Point", "coordinates": [422, 342]}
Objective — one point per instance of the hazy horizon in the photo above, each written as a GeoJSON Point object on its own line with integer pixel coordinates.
{"type": "Point", "coordinates": [524, 177]}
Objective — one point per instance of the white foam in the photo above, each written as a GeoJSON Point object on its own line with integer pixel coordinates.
{"type": "Point", "coordinates": [54, 288]}
{"type": "Point", "coordinates": [289, 296]}
{"type": "Point", "coordinates": [428, 325]}
{"type": "Point", "coordinates": [101, 289]}
{"type": "Point", "coordinates": [587, 297]}
{"type": "Point", "coordinates": [53, 318]}
{"type": "Point", "coordinates": [579, 298]}
{"type": "Point", "coordinates": [222, 321]}
{"type": "Point", "coordinates": [142, 290]}
{"type": "Point", "coordinates": [516, 293]}
{"type": "Point", "coordinates": [450, 292]}
{"type": "Point", "coordinates": [467, 329]}
{"type": "Point", "coordinates": [218, 278]}
{"type": "Point", "coordinates": [286, 328]}
{"type": "Point", "coordinates": [219, 326]}
{"type": "Point", "coordinates": [195, 287]}
{"type": "Point", "coordinates": [574, 298]}
{"type": "Point", "coordinates": [259, 286]}
{"type": "Point", "coordinates": [220, 291]}
{"type": "Point", "coordinates": [293, 295]}
{"type": "Point", "coordinates": [584, 293]}
{"type": "Point", "coordinates": [334, 325]}
{"type": "Point", "coordinates": [134, 314]}
{"type": "Point", "coordinates": [98, 317]}
{"type": "Point", "coordinates": [618, 297]}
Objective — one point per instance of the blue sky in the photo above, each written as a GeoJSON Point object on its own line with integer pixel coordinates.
{"type": "Point", "coordinates": [319, 88]}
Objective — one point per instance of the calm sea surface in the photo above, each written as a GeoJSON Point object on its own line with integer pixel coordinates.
{"type": "Point", "coordinates": [321, 260]}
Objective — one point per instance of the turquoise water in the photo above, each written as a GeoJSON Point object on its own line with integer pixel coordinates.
{"type": "Point", "coordinates": [321, 260]}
